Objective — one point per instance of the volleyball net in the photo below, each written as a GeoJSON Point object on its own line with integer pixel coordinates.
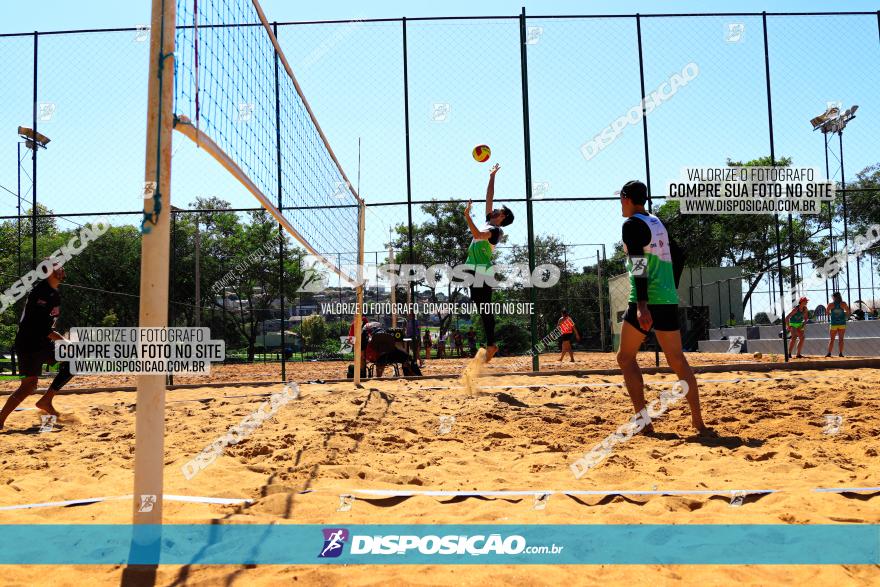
{"type": "Point", "coordinates": [236, 97]}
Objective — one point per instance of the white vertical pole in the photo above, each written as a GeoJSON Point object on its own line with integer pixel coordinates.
{"type": "Point", "coordinates": [358, 317]}
{"type": "Point", "coordinates": [198, 276]}
{"type": "Point", "coordinates": [393, 291]}
{"type": "Point", "coordinates": [155, 245]}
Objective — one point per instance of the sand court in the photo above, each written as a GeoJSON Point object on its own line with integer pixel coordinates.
{"type": "Point", "coordinates": [794, 447]}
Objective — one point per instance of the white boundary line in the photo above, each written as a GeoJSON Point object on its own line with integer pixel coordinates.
{"type": "Point", "coordinates": [439, 493]}
{"type": "Point", "coordinates": [443, 493]}
{"type": "Point", "coordinates": [578, 384]}
{"type": "Point", "coordinates": [166, 497]}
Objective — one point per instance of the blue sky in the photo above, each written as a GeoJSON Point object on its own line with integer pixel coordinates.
{"type": "Point", "coordinates": [583, 74]}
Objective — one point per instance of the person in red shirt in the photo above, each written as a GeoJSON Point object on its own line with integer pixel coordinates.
{"type": "Point", "coordinates": [569, 330]}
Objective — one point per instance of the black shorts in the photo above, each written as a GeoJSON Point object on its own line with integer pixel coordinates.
{"type": "Point", "coordinates": [567, 337]}
{"type": "Point", "coordinates": [30, 363]}
{"type": "Point", "coordinates": [665, 317]}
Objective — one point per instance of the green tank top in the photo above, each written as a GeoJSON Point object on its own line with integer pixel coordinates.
{"type": "Point", "coordinates": [479, 253]}
{"type": "Point", "coordinates": [837, 313]}
{"type": "Point", "coordinates": [658, 257]}
{"type": "Point", "coordinates": [797, 319]}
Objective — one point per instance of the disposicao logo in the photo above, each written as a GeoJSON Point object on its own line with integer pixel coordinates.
{"type": "Point", "coordinates": [334, 540]}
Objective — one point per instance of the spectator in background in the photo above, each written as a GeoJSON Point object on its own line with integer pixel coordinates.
{"type": "Point", "coordinates": [569, 331]}
{"type": "Point", "coordinates": [472, 341]}
{"type": "Point", "coordinates": [413, 333]}
{"type": "Point", "coordinates": [427, 344]}
{"type": "Point", "coordinates": [458, 342]}
{"type": "Point", "coordinates": [441, 344]}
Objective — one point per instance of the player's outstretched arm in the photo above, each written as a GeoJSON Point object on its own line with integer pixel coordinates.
{"type": "Point", "coordinates": [476, 232]}
{"type": "Point", "coordinates": [490, 189]}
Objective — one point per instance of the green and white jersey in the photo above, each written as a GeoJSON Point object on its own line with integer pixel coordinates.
{"type": "Point", "coordinates": [837, 314]}
{"type": "Point", "coordinates": [480, 252]}
{"type": "Point", "coordinates": [655, 261]}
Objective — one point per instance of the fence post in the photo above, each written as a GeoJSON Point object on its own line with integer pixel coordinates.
{"type": "Point", "coordinates": [773, 162]}
{"type": "Point", "coordinates": [34, 160]}
{"type": "Point", "coordinates": [281, 210]}
{"type": "Point", "coordinates": [408, 175]}
{"type": "Point", "coordinates": [533, 326]}
{"type": "Point", "coordinates": [18, 207]}
{"type": "Point", "coordinates": [644, 113]}
{"type": "Point", "coordinates": [845, 223]}
{"type": "Point", "coordinates": [601, 302]}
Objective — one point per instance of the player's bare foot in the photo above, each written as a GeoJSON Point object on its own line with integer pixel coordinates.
{"type": "Point", "coordinates": [46, 405]}
{"type": "Point", "coordinates": [707, 433]}
{"type": "Point", "coordinates": [490, 352]}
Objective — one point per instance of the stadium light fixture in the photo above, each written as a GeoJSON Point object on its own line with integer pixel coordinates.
{"type": "Point", "coordinates": [832, 120]}
{"type": "Point", "coordinates": [33, 139]}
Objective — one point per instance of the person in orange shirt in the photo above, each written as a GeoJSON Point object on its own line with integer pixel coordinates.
{"type": "Point", "coordinates": [569, 330]}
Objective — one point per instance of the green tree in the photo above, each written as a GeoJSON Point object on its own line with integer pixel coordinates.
{"type": "Point", "coordinates": [314, 331]}
{"type": "Point", "coordinates": [744, 241]}
{"type": "Point", "coordinates": [863, 207]}
{"type": "Point", "coordinates": [110, 319]}
{"type": "Point", "coordinates": [443, 239]}
{"type": "Point", "coordinates": [238, 271]}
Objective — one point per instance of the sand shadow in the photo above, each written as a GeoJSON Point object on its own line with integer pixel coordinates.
{"type": "Point", "coordinates": [726, 441]}
{"type": "Point", "coordinates": [463, 498]}
{"type": "Point", "coordinates": [606, 499]}
{"type": "Point", "coordinates": [859, 496]}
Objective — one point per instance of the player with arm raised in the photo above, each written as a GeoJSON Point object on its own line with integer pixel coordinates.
{"type": "Point", "coordinates": [479, 257]}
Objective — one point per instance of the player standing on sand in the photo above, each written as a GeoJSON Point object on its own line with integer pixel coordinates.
{"type": "Point", "coordinates": [569, 330]}
{"type": "Point", "coordinates": [838, 314]}
{"type": "Point", "coordinates": [796, 320]}
{"type": "Point", "coordinates": [34, 345]}
{"type": "Point", "coordinates": [479, 258]}
{"type": "Point", "coordinates": [654, 265]}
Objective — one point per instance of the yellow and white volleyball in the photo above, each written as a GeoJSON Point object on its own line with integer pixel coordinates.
{"type": "Point", "coordinates": [482, 153]}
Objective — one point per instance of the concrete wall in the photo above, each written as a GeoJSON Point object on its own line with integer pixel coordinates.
{"type": "Point", "coordinates": [618, 294]}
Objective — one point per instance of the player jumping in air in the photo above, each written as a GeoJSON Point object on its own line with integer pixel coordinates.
{"type": "Point", "coordinates": [34, 345]}
{"type": "Point", "coordinates": [479, 258]}
{"type": "Point", "coordinates": [654, 265]}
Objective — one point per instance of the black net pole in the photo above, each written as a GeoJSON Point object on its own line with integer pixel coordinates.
{"type": "Point", "coordinates": [533, 325]}
{"type": "Point", "coordinates": [408, 174]}
{"type": "Point", "coordinates": [773, 162]}
{"type": "Point", "coordinates": [18, 207]}
{"type": "Point", "coordinates": [34, 147]}
{"type": "Point", "coordinates": [846, 223]}
{"type": "Point", "coordinates": [281, 210]}
{"type": "Point", "coordinates": [644, 117]}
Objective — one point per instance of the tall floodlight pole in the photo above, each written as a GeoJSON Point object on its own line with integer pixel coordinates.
{"type": "Point", "coordinates": [832, 122]}
{"type": "Point", "coordinates": [18, 206]}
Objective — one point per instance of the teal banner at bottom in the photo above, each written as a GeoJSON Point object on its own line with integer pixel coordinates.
{"type": "Point", "coordinates": [289, 544]}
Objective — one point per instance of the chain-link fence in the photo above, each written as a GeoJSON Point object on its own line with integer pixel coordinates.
{"type": "Point", "coordinates": [403, 102]}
